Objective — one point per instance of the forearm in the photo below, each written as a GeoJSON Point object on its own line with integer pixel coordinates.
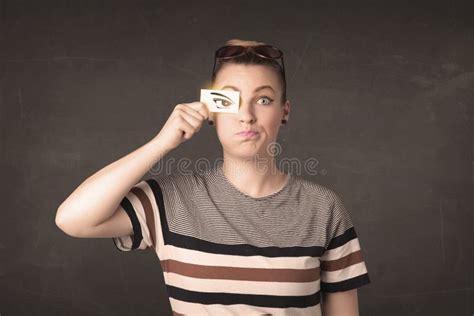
{"type": "Point", "coordinates": [98, 197]}
{"type": "Point", "coordinates": [340, 304]}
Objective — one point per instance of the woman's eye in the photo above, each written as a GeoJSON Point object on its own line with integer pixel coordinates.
{"type": "Point", "coordinates": [268, 100]}
{"type": "Point", "coordinates": [223, 103]}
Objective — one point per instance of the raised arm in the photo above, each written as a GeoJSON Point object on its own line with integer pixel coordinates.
{"type": "Point", "coordinates": [93, 209]}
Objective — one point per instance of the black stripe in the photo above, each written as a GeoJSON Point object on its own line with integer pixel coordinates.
{"type": "Point", "coordinates": [192, 243]}
{"type": "Point", "coordinates": [117, 246]}
{"type": "Point", "coordinates": [340, 240]}
{"type": "Point", "coordinates": [137, 230]}
{"type": "Point", "coordinates": [157, 193]}
{"type": "Point", "coordinates": [345, 285]}
{"type": "Point", "coordinates": [277, 301]}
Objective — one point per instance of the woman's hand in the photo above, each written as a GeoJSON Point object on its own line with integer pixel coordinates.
{"type": "Point", "coordinates": [185, 120]}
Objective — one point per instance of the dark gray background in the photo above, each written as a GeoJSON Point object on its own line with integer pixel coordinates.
{"type": "Point", "coordinates": [382, 96]}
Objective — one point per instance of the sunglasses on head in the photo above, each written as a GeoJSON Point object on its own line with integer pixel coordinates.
{"type": "Point", "coordinates": [264, 51]}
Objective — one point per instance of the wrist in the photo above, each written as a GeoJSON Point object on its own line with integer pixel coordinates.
{"type": "Point", "coordinates": [158, 149]}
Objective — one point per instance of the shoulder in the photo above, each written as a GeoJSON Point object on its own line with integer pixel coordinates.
{"type": "Point", "coordinates": [318, 192]}
{"type": "Point", "coordinates": [185, 181]}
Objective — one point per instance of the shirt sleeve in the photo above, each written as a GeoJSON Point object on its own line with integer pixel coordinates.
{"type": "Point", "coordinates": [342, 264]}
{"type": "Point", "coordinates": [140, 205]}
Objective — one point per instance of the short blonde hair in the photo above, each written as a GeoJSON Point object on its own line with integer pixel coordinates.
{"type": "Point", "coordinates": [251, 59]}
{"type": "Point", "coordinates": [236, 41]}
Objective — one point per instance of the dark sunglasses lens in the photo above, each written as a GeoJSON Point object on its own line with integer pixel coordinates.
{"type": "Point", "coordinates": [268, 51]}
{"type": "Point", "coordinates": [229, 51]}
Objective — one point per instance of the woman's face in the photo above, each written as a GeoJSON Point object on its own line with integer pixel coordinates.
{"type": "Point", "coordinates": [260, 110]}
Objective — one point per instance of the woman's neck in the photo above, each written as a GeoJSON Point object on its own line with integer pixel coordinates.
{"type": "Point", "coordinates": [256, 178]}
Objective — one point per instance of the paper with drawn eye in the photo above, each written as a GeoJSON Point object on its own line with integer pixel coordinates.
{"type": "Point", "coordinates": [223, 101]}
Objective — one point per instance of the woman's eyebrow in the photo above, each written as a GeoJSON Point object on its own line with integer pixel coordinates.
{"type": "Point", "coordinates": [256, 89]}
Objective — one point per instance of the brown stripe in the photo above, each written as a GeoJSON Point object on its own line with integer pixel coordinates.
{"type": "Point", "coordinates": [235, 273]}
{"type": "Point", "coordinates": [150, 218]}
{"type": "Point", "coordinates": [177, 314]}
{"type": "Point", "coordinates": [343, 262]}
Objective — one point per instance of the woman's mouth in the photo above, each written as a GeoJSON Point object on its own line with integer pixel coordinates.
{"type": "Point", "coordinates": [248, 134]}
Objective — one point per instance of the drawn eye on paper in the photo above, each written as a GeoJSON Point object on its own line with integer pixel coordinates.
{"type": "Point", "coordinates": [224, 101]}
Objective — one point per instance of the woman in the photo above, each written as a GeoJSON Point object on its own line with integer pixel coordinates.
{"type": "Point", "coordinates": [243, 238]}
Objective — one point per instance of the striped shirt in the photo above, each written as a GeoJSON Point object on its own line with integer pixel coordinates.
{"type": "Point", "coordinates": [224, 252]}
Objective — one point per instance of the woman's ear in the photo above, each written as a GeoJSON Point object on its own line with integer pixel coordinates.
{"type": "Point", "coordinates": [286, 110]}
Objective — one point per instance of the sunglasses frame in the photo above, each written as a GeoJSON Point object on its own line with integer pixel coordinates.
{"type": "Point", "coordinates": [244, 50]}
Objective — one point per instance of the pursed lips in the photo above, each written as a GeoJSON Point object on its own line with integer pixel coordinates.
{"type": "Point", "coordinates": [248, 133]}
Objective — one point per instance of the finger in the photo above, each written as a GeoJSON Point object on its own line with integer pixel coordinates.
{"type": "Point", "coordinates": [200, 107]}
{"type": "Point", "coordinates": [189, 110]}
{"type": "Point", "coordinates": [186, 128]}
{"type": "Point", "coordinates": [190, 118]}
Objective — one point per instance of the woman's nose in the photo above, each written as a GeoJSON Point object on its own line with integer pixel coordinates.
{"type": "Point", "coordinates": [246, 113]}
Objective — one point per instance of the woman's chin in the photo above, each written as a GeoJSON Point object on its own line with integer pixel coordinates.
{"type": "Point", "coordinates": [246, 152]}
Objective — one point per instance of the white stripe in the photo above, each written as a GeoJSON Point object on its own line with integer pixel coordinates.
{"type": "Point", "coordinates": [211, 259]}
{"type": "Point", "coordinates": [241, 286]}
{"type": "Point", "coordinates": [344, 274]}
{"type": "Point", "coordinates": [341, 251]}
{"type": "Point", "coordinates": [239, 309]}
